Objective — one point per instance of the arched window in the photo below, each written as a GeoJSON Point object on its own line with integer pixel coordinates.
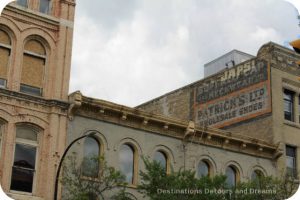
{"type": "Point", "coordinates": [203, 169]}
{"type": "Point", "coordinates": [232, 176]}
{"type": "Point", "coordinates": [161, 158]}
{"type": "Point", "coordinates": [256, 174]}
{"type": "Point", "coordinates": [24, 166]}
{"type": "Point", "coordinates": [5, 49]}
{"type": "Point", "coordinates": [34, 59]}
{"type": "Point", "coordinates": [90, 165]}
{"type": "Point", "coordinates": [23, 3]}
{"type": "Point", "coordinates": [126, 158]}
{"type": "Point", "coordinates": [44, 6]}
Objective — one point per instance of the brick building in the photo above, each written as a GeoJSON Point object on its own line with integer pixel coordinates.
{"type": "Point", "coordinates": [242, 121]}
{"type": "Point", "coordinates": [258, 98]}
{"type": "Point", "coordinates": [35, 56]}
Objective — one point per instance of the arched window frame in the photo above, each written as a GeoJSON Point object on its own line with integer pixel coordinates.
{"type": "Point", "coordinates": [258, 173]}
{"type": "Point", "coordinates": [27, 88]}
{"type": "Point", "coordinates": [166, 157]}
{"type": "Point", "coordinates": [7, 47]}
{"type": "Point", "coordinates": [134, 163]}
{"type": "Point", "coordinates": [236, 173]}
{"type": "Point", "coordinates": [100, 153]}
{"type": "Point", "coordinates": [26, 142]}
{"type": "Point", "coordinates": [209, 168]}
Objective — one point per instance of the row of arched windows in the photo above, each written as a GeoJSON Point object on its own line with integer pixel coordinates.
{"type": "Point", "coordinates": [232, 173]}
{"type": "Point", "coordinates": [128, 156]}
{"type": "Point", "coordinates": [128, 163]}
{"type": "Point", "coordinates": [32, 67]}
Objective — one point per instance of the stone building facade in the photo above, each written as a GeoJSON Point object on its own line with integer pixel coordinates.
{"type": "Point", "coordinates": [180, 143]}
{"type": "Point", "coordinates": [35, 56]}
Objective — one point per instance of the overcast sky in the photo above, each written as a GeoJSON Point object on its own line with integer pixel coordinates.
{"type": "Point", "coordinates": [130, 51]}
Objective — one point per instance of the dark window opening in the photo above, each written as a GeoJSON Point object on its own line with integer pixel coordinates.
{"type": "Point", "coordinates": [288, 105]}
{"type": "Point", "coordinates": [291, 161]}
{"type": "Point", "coordinates": [2, 83]}
{"type": "Point", "coordinates": [31, 90]}
{"type": "Point", "coordinates": [23, 168]}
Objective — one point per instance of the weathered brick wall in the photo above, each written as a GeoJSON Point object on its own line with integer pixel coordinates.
{"type": "Point", "coordinates": [178, 103]}
{"type": "Point", "coordinates": [260, 128]}
{"type": "Point", "coordinates": [175, 104]}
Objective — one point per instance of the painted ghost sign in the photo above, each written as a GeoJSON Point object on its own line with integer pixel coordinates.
{"type": "Point", "coordinates": [234, 95]}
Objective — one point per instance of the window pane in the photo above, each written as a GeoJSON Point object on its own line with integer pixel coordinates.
{"type": "Point", "coordinates": [23, 169]}
{"type": "Point", "coordinates": [203, 169]}
{"type": "Point", "coordinates": [26, 133]}
{"type": "Point", "coordinates": [22, 179]}
{"type": "Point", "coordinates": [288, 95]}
{"type": "Point", "coordinates": [256, 174]}
{"type": "Point", "coordinates": [31, 90]}
{"type": "Point", "coordinates": [44, 6]}
{"type": "Point", "coordinates": [25, 156]}
{"type": "Point", "coordinates": [161, 158]}
{"type": "Point", "coordinates": [231, 176]}
{"type": "Point", "coordinates": [290, 151]}
{"type": "Point", "coordinates": [2, 83]}
{"type": "Point", "coordinates": [291, 161]}
{"type": "Point", "coordinates": [90, 166]}
{"type": "Point", "coordinates": [126, 157]}
{"type": "Point", "coordinates": [22, 3]}
{"type": "Point", "coordinates": [288, 105]}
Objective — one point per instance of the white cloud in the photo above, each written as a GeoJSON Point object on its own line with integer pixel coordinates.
{"type": "Point", "coordinates": [135, 52]}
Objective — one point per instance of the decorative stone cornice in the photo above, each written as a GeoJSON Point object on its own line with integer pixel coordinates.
{"type": "Point", "coordinates": [139, 119]}
{"type": "Point", "coordinates": [30, 99]}
{"type": "Point", "coordinates": [21, 14]}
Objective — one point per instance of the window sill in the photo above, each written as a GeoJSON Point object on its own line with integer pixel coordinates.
{"type": "Point", "coordinates": [290, 123]}
{"type": "Point", "coordinates": [22, 195]}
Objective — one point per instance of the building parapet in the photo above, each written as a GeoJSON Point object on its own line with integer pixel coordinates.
{"type": "Point", "coordinates": [159, 124]}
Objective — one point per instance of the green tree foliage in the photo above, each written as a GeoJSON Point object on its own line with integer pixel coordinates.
{"type": "Point", "coordinates": [109, 183]}
{"type": "Point", "coordinates": [183, 185]}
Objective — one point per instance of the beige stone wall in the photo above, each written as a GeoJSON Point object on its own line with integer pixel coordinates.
{"type": "Point", "coordinates": [54, 32]}
{"type": "Point", "coordinates": [111, 136]}
{"type": "Point", "coordinates": [49, 112]}
{"type": "Point", "coordinates": [51, 120]}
